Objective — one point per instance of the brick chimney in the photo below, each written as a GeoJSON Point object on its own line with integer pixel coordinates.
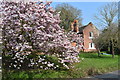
{"type": "Point", "coordinates": [74, 26]}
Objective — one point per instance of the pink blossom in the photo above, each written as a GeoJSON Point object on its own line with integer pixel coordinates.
{"type": "Point", "coordinates": [36, 28]}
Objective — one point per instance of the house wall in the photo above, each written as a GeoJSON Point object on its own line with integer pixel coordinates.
{"type": "Point", "coordinates": [89, 28]}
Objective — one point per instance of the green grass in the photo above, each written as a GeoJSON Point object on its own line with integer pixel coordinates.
{"type": "Point", "coordinates": [90, 65]}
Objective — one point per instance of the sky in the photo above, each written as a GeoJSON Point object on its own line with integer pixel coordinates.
{"type": "Point", "coordinates": [89, 9]}
{"type": "Point", "coordinates": [70, 0]}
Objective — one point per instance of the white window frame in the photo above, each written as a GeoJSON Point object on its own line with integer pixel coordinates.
{"type": "Point", "coordinates": [92, 35]}
{"type": "Point", "coordinates": [93, 46]}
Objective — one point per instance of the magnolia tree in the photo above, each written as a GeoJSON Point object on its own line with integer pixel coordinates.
{"type": "Point", "coordinates": [77, 38]}
{"type": "Point", "coordinates": [33, 28]}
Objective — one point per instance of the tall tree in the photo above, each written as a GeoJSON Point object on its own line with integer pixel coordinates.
{"type": "Point", "coordinates": [107, 14]}
{"type": "Point", "coordinates": [119, 24]}
{"type": "Point", "coordinates": [67, 14]}
{"type": "Point", "coordinates": [108, 39]}
{"type": "Point", "coordinates": [108, 17]}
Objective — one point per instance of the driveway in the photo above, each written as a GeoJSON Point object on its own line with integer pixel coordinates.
{"type": "Point", "coordinates": [115, 75]}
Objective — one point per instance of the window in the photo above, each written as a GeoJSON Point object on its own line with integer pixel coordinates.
{"type": "Point", "coordinates": [91, 46]}
{"type": "Point", "coordinates": [91, 34]}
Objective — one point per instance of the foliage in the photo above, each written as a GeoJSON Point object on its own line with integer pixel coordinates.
{"type": "Point", "coordinates": [68, 14]}
{"type": "Point", "coordinates": [36, 62]}
{"type": "Point", "coordinates": [104, 40]}
{"type": "Point", "coordinates": [33, 28]}
{"type": "Point", "coordinates": [90, 65]}
{"type": "Point", "coordinates": [107, 14]}
{"type": "Point", "coordinates": [77, 38]}
{"type": "Point", "coordinates": [109, 37]}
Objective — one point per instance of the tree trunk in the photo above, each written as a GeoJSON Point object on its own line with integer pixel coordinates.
{"type": "Point", "coordinates": [112, 48]}
{"type": "Point", "coordinates": [98, 51]}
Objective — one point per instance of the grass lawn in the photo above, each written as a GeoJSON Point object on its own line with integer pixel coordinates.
{"type": "Point", "coordinates": [90, 64]}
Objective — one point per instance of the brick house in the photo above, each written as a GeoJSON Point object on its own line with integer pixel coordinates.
{"type": "Point", "coordinates": [89, 32]}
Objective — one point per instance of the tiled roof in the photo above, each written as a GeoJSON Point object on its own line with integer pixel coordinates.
{"type": "Point", "coordinates": [82, 28]}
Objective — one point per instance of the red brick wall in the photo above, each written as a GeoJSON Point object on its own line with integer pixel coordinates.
{"type": "Point", "coordinates": [87, 40]}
